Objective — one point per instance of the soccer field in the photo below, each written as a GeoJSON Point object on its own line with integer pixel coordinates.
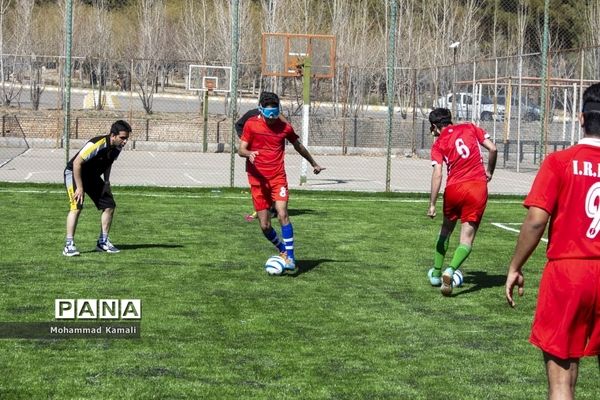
{"type": "Point", "coordinates": [359, 322]}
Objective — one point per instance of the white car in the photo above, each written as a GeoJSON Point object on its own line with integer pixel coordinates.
{"type": "Point", "coordinates": [465, 107]}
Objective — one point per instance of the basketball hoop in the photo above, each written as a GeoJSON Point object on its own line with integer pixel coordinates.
{"type": "Point", "coordinates": [210, 83]}
{"type": "Point", "coordinates": [295, 62]}
{"type": "Point", "coordinates": [284, 55]}
{"type": "Point", "coordinates": [207, 78]}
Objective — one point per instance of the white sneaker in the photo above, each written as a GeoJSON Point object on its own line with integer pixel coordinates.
{"type": "Point", "coordinates": [70, 251]}
{"type": "Point", "coordinates": [447, 282]}
{"type": "Point", "coordinates": [106, 247]}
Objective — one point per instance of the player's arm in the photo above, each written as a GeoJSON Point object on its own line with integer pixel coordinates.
{"type": "Point", "coordinates": [531, 232]}
{"type": "Point", "coordinates": [303, 151]}
{"type": "Point", "coordinates": [244, 152]}
{"type": "Point", "coordinates": [493, 156]}
{"type": "Point", "coordinates": [436, 184]}
{"type": "Point", "coordinates": [107, 179]}
{"type": "Point", "coordinates": [107, 174]}
{"type": "Point", "coordinates": [77, 167]}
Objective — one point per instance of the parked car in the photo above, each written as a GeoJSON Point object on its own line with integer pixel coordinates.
{"type": "Point", "coordinates": [465, 107]}
{"type": "Point", "coordinates": [529, 110]}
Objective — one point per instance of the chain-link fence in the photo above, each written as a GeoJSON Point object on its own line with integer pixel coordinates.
{"type": "Point", "coordinates": [348, 112]}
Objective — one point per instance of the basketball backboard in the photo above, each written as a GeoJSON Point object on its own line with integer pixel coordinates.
{"type": "Point", "coordinates": [209, 78]}
{"type": "Point", "coordinates": [283, 54]}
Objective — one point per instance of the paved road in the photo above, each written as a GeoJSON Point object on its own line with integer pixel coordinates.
{"type": "Point", "coordinates": [191, 169]}
{"type": "Point", "coordinates": [184, 102]}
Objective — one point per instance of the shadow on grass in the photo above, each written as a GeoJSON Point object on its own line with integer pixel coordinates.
{"type": "Point", "coordinates": [301, 211]}
{"type": "Point", "coordinates": [136, 246]}
{"type": "Point", "coordinates": [305, 266]}
{"type": "Point", "coordinates": [480, 280]}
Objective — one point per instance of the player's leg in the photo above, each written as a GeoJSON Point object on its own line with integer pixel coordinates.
{"type": "Point", "coordinates": [105, 202]}
{"type": "Point", "coordinates": [441, 247]}
{"type": "Point", "coordinates": [467, 235]}
{"type": "Point", "coordinates": [287, 233]}
{"type": "Point", "coordinates": [475, 199]}
{"type": "Point", "coordinates": [562, 377]}
{"type": "Point", "coordinates": [260, 199]}
{"type": "Point", "coordinates": [104, 243]}
{"type": "Point", "coordinates": [471, 199]}
{"type": "Point", "coordinates": [451, 210]}
{"type": "Point", "coordinates": [72, 217]}
{"type": "Point", "coordinates": [280, 196]}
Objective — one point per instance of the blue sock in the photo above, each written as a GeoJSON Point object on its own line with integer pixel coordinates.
{"type": "Point", "coordinates": [271, 235]}
{"type": "Point", "coordinates": [103, 237]}
{"type": "Point", "coordinates": [287, 233]}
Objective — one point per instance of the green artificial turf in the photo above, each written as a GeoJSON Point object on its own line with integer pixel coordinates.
{"type": "Point", "coordinates": [359, 322]}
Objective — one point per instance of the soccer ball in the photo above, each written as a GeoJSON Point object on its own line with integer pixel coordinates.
{"type": "Point", "coordinates": [457, 278]}
{"type": "Point", "coordinates": [274, 265]}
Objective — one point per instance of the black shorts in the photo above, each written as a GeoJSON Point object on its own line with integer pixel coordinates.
{"type": "Point", "coordinates": [94, 187]}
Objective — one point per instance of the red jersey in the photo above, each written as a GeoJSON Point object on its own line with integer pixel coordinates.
{"type": "Point", "coordinates": [567, 186]}
{"type": "Point", "coordinates": [269, 141]}
{"type": "Point", "coordinates": [458, 147]}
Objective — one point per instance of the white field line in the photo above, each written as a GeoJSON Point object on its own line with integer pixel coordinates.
{"type": "Point", "coordinates": [215, 193]}
{"type": "Point", "coordinates": [508, 228]}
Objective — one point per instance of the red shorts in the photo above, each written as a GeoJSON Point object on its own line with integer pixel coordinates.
{"type": "Point", "coordinates": [466, 201]}
{"type": "Point", "coordinates": [567, 317]}
{"type": "Point", "coordinates": [265, 192]}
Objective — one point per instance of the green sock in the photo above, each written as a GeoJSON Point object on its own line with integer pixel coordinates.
{"type": "Point", "coordinates": [441, 247]}
{"type": "Point", "coordinates": [460, 255]}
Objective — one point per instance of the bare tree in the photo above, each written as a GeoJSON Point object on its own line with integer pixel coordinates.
{"type": "Point", "coordinates": [446, 23]}
{"type": "Point", "coordinates": [592, 17]}
{"type": "Point", "coordinates": [4, 6]}
{"type": "Point", "coordinates": [193, 30]}
{"type": "Point", "coordinates": [96, 42]}
{"type": "Point", "coordinates": [21, 46]}
{"type": "Point", "coordinates": [357, 26]}
{"type": "Point", "coordinates": [150, 49]}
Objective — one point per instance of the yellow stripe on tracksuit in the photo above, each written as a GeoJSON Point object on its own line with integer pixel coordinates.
{"type": "Point", "coordinates": [88, 152]}
{"type": "Point", "coordinates": [70, 182]}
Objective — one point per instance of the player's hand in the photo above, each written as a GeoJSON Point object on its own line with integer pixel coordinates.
{"type": "Point", "coordinates": [431, 212]}
{"type": "Point", "coordinates": [317, 168]}
{"type": "Point", "coordinates": [252, 156]}
{"type": "Point", "coordinates": [514, 279]}
{"type": "Point", "coordinates": [488, 175]}
{"type": "Point", "coordinates": [78, 195]}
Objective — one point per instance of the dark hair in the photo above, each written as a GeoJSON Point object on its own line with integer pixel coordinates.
{"type": "Point", "coordinates": [267, 98]}
{"type": "Point", "coordinates": [591, 110]}
{"type": "Point", "coordinates": [440, 117]}
{"type": "Point", "coordinates": [120, 126]}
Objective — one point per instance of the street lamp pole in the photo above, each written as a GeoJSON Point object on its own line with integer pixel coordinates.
{"type": "Point", "coordinates": [454, 47]}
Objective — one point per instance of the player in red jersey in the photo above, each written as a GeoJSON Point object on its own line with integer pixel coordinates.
{"type": "Point", "coordinates": [239, 128]}
{"type": "Point", "coordinates": [263, 144]}
{"type": "Point", "coordinates": [566, 192]}
{"type": "Point", "coordinates": [465, 196]}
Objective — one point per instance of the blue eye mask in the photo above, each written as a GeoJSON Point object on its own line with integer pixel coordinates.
{"type": "Point", "coordinates": [269, 112]}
